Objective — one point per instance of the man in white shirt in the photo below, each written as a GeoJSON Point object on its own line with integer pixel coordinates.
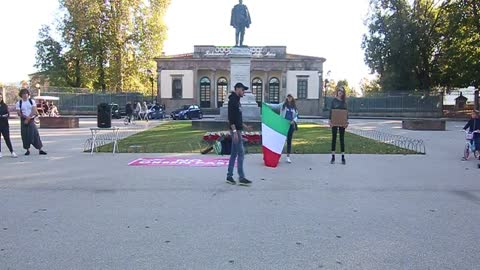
{"type": "Point", "coordinates": [27, 110]}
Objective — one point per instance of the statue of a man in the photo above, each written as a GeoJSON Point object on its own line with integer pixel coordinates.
{"type": "Point", "coordinates": [240, 20]}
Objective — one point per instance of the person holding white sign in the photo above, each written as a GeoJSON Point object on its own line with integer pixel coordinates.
{"type": "Point", "coordinates": [338, 122]}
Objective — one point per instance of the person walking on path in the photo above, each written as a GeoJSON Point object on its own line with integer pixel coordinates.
{"type": "Point", "coordinates": [27, 110]}
{"type": "Point", "coordinates": [5, 127]}
{"type": "Point", "coordinates": [236, 126]}
{"type": "Point", "coordinates": [338, 103]}
{"type": "Point", "coordinates": [288, 110]}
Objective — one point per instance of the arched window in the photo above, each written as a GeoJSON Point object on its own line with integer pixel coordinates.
{"type": "Point", "coordinates": [205, 87]}
{"type": "Point", "coordinates": [222, 90]}
{"type": "Point", "coordinates": [274, 90]}
{"type": "Point", "coordinates": [257, 90]}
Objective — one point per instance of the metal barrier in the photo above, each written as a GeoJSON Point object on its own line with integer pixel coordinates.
{"type": "Point", "coordinates": [393, 104]}
{"type": "Point", "coordinates": [415, 145]}
{"type": "Point", "coordinates": [107, 138]}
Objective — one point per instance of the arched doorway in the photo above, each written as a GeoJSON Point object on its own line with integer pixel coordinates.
{"type": "Point", "coordinates": [274, 90]}
{"type": "Point", "coordinates": [257, 89]}
{"type": "Point", "coordinates": [205, 89]}
{"type": "Point", "coordinates": [222, 88]}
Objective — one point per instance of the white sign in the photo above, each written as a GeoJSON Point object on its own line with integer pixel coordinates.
{"type": "Point", "coordinates": [258, 52]}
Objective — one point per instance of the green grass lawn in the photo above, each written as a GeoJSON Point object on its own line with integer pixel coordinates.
{"type": "Point", "coordinates": [179, 137]}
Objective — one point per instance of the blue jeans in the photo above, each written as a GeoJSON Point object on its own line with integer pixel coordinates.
{"type": "Point", "coordinates": [237, 151]}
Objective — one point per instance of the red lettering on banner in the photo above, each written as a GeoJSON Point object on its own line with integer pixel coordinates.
{"type": "Point", "coordinates": [180, 162]}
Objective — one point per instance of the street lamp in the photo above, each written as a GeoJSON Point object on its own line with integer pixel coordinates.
{"type": "Point", "coordinates": [150, 74]}
{"type": "Point", "coordinates": [325, 90]}
{"type": "Point", "coordinates": [38, 88]}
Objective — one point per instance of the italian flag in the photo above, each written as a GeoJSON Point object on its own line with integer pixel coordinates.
{"type": "Point", "coordinates": [274, 134]}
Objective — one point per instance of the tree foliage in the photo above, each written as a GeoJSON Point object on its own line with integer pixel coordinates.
{"type": "Point", "coordinates": [332, 86]}
{"type": "Point", "coordinates": [370, 86]}
{"type": "Point", "coordinates": [423, 44]}
{"type": "Point", "coordinates": [104, 44]}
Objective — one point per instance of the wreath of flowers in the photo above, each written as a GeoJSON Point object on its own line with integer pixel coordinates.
{"type": "Point", "coordinates": [248, 137]}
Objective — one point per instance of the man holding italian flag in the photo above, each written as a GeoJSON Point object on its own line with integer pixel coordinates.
{"type": "Point", "coordinates": [274, 134]}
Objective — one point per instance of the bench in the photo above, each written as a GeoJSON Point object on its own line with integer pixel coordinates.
{"type": "Point", "coordinates": [424, 124]}
{"type": "Point", "coordinates": [59, 122]}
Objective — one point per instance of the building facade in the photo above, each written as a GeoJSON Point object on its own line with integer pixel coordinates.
{"type": "Point", "coordinates": [203, 78]}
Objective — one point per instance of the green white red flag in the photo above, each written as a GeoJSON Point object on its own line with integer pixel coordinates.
{"type": "Point", "coordinates": [274, 134]}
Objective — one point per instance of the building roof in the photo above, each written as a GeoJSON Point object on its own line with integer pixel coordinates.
{"type": "Point", "coordinates": [222, 53]}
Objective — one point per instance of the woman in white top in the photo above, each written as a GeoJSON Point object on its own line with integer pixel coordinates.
{"type": "Point", "coordinates": [145, 110]}
{"type": "Point", "coordinates": [288, 110]}
{"type": "Point", "coordinates": [27, 110]}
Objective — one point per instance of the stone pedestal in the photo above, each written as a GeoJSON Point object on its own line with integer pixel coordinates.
{"type": "Point", "coordinates": [240, 67]}
{"type": "Point", "coordinates": [59, 122]}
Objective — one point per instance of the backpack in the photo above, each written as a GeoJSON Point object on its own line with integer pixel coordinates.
{"type": "Point", "coordinates": [21, 101]}
{"type": "Point", "coordinates": [223, 147]}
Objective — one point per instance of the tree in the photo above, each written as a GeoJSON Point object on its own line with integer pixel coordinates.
{"type": "Point", "coordinates": [349, 91]}
{"type": "Point", "coordinates": [402, 42]}
{"type": "Point", "coordinates": [458, 61]}
{"type": "Point", "coordinates": [109, 44]}
{"type": "Point", "coordinates": [370, 87]}
{"type": "Point", "coordinates": [50, 58]}
{"type": "Point", "coordinates": [332, 86]}
{"type": "Point", "coordinates": [423, 44]}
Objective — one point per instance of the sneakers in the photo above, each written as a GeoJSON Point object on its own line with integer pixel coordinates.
{"type": "Point", "coordinates": [1, 155]}
{"type": "Point", "coordinates": [332, 161]}
{"type": "Point", "coordinates": [244, 182]}
{"type": "Point", "coordinates": [231, 181]}
{"type": "Point", "coordinates": [27, 153]}
{"type": "Point", "coordinates": [344, 162]}
{"type": "Point", "coordinates": [14, 155]}
{"type": "Point", "coordinates": [41, 152]}
{"type": "Point", "coordinates": [289, 160]}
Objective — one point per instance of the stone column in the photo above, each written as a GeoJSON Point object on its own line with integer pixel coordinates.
{"type": "Point", "coordinates": [283, 87]}
{"type": "Point", "coordinates": [196, 87]}
{"type": "Point", "coordinates": [265, 86]}
{"type": "Point", "coordinates": [213, 89]}
{"type": "Point", "coordinates": [159, 86]}
{"type": "Point", "coordinates": [240, 72]}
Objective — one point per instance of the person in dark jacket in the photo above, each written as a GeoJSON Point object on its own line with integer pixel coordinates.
{"type": "Point", "coordinates": [129, 111]}
{"type": "Point", "coordinates": [236, 126]}
{"type": "Point", "coordinates": [5, 127]}
{"type": "Point", "coordinates": [338, 103]}
{"type": "Point", "coordinates": [474, 125]}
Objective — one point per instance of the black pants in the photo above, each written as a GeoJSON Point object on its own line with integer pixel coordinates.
{"type": "Point", "coordinates": [334, 138]}
{"type": "Point", "coordinates": [239, 35]}
{"type": "Point", "coordinates": [5, 132]}
{"type": "Point", "coordinates": [30, 135]}
{"type": "Point", "coordinates": [289, 139]}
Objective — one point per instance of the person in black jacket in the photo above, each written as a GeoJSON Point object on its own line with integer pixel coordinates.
{"type": "Point", "coordinates": [338, 103]}
{"type": "Point", "coordinates": [5, 127]}
{"type": "Point", "coordinates": [236, 126]}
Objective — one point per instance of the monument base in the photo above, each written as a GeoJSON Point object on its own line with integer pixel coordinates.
{"type": "Point", "coordinates": [210, 125]}
{"type": "Point", "coordinates": [249, 113]}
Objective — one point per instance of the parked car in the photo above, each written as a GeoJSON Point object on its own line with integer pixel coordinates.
{"type": "Point", "coordinates": [116, 114]}
{"type": "Point", "coordinates": [187, 112]}
{"type": "Point", "coordinates": [155, 112]}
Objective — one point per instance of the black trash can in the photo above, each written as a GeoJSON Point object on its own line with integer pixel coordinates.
{"type": "Point", "coordinates": [104, 115]}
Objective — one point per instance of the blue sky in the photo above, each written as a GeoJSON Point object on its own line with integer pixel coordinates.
{"type": "Point", "coordinates": [327, 28]}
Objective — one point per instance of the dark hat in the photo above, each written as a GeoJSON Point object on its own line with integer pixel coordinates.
{"type": "Point", "coordinates": [240, 85]}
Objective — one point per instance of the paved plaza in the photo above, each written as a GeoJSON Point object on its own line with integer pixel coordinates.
{"type": "Point", "coordinates": [72, 210]}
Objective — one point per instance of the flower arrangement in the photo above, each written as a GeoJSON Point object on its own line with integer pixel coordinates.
{"type": "Point", "coordinates": [248, 137]}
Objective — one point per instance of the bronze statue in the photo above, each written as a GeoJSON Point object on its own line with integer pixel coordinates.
{"type": "Point", "coordinates": [240, 20]}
